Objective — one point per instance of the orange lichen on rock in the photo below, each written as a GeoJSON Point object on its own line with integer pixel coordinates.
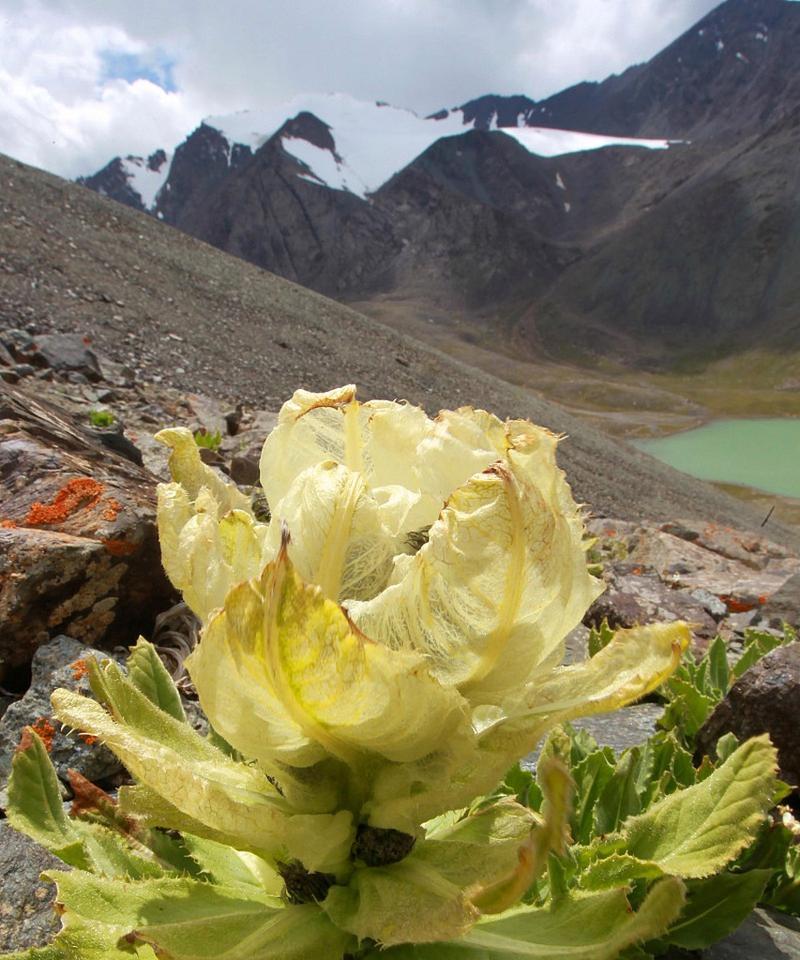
{"type": "Point", "coordinates": [46, 732]}
{"type": "Point", "coordinates": [735, 605]}
{"type": "Point", "coordinates": [88, 738]}
{"type": "Point", "coordinates": [112, 509]}
{"type": "Point", "coordinates": [119, 548]}
{"type": "Point", "coordinates": [76, 493]}
{"type": "Point", "coordinates": [8, 524]}
{"type": "Point", "coordinates": [79, 669]}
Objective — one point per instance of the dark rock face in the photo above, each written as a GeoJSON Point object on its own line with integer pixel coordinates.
{"type": "Point", "coordinates": [200, 163]}
{"type": "Point", "coordinates": [766, 699]}
{"type": "Point", "coordinates": [715, 261]}
{"type": "Point", "coordinates": [495, 111]}
{"type": "Point", "coordinates": [112, 181]}
{"type": "Point", "coordinates": [329, 240]}
{"type": "Point", "coordinates": [78, 546]}
{"type": "Point", "coordinates": [728, 73]}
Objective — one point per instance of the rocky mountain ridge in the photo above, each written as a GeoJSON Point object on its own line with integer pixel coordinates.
{"type": "Point", "coordinates": [544, 242]}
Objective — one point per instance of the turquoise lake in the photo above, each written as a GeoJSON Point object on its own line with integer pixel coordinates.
{"type": "Point", "coordinates": [755, 453]}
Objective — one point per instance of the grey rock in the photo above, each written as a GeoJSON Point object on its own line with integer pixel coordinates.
{"type": "Point", "coordinates": [19, 344]}
{"type": "Point", "coordinates": [766, 699]}
{"type": "Point", "coordinates": [68, 353]}
{"type": "Point", "coordinates": [244, 469]}
{"type": "Point", "coordinates": [78, 546]}
{"type": "Point", "coordinates": [117, 374]}
{"type": "Point", "coordinates": [712, 604]}
{"type": "Point", "coordinates": [621, 729]}
{"type": "Point", "coordinates": [639, 596]}
{"type": "Point", "coordinates": [782, 607]}
{"type": "Point", "coordinates": [114, 438]}
{"type": "Point", "coordinates": [765, 935]}
{"type": "Point", "coordinates": [52, 668]}
{"type": "Point", "coordinates": [9, 376]}
{"type": "Point", "coordinates": [24, 369]}
{"type": "Point", "coordinates": [27, 918]}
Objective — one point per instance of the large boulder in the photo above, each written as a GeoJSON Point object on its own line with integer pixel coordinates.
{"type": "Point", "coordinates": [765, 699]}
{"type": "Point", "coordinates": [78, 547]}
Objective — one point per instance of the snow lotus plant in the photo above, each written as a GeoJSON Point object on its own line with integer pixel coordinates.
{"type": "Point", "coordinates": [372, 660]}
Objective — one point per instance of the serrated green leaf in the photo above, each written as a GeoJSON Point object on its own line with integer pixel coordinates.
{"type": "Point", "coordinates": [406, 901]}
{"type": "Point", "coordinates": [715, 907]}
{"type": "Point", "coordinates": [719, 672]}
{"type": "Point", "coordinates": [593, 927]}
{"type": "Point", "coordinates": [619, 798]}
{"type": "Point", "coordinates": [688, 709]}
{"type": "Point", "coordinates": [618, 870]}
{"type": "Point", "coordinates": [757, 645]}
{"type": "Point", "coordinates": [682, 768]}
{"type": "Point", "coordinates": [519, 782]}
{"type": "Point", "coordinates": [727, 744]}
{"type": "Point", "coordinates": [237, 803]}
{"type": "Point", "coordinates": [599, 637]}
{"type": "Point", "coordinates": [233, 868]}
{"type": "Point", "coordinates": [694, 832]}
{"type": "Point", "coordinates": [35, 806]}
{"type": "Point", "coordinates": [114, 855]}
{"type": "Point", "coordinates": [591, 776]}
{"type": "Point", "coordinates": [83, 939]}
{"type": "Point", "coordinates": [150, 676]}
{"type": "Point", "coordinates": [583, 744]}
{"type": "Point", "coordinates": [190, 920]}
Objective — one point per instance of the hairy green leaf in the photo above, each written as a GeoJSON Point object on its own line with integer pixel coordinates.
{"type": "Point", "coordinates": [190, 920]}
{"type": "Point", "coordinates": [35, 806]}
{"type": "Point", "coordinates": [151, 677]}
{"type": "Point", "coordinates": [715, 907]}
{"type": "Point", "coordinates": [696, 831]}
{"type": "Point", "coordinates": [593, 927]}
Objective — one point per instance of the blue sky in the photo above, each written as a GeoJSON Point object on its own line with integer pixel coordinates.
{"type": "Point", "coordinates": [154, 66]}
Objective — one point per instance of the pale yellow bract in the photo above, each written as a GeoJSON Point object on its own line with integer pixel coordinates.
{"type": "Point", "coordinates": [378, 654]}
{"type": "Point", "coordinates": [411, 626]}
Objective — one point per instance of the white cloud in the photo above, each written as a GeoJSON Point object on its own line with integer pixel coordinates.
{"type": "Point", "coordinates": [58, 109]}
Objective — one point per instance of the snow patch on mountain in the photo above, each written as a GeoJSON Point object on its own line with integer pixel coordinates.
{"type": "Point", "coordinates": [145, 177]}
{"type": "Point", "coordinates": [374, 141]}
{"type": "Point", "coordinates": [548, 142]}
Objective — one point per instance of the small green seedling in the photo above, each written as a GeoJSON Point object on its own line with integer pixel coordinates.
{"type": "Point", "coordinates": [102, 418]}
{"type": "Point", "coordinates": [205, 438]}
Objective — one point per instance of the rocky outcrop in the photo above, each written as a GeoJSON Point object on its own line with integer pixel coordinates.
{"type": "Point", "coordinates": [765, 699]}
{"type": "Point", "coordinates": [78, 547]}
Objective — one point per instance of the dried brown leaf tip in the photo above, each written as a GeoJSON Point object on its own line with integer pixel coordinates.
{"type": "Point", "coordinates": [87, 797]}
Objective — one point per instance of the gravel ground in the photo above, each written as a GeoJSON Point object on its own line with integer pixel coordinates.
{"type": "Point", "coordinates": [182, 313]}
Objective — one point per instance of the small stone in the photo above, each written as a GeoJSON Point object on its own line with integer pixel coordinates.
{"type": "Point", "coordinates": [244, 470]}
{"type": "Point", "coordinates": [713, 606]}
